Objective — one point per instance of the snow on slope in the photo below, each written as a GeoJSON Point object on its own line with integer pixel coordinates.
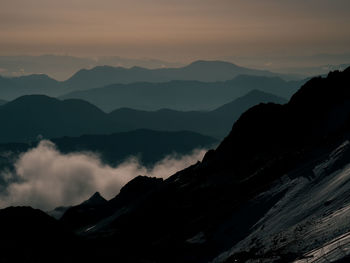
{"type": "Point", "coordinates": [309, 221]}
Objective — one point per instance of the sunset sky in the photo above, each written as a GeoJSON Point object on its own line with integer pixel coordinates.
{"type": "Point", "coordinates": [174, 29]}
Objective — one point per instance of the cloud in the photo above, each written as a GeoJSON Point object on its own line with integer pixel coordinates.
{"type": "Point", "coordinates": [46, 178]}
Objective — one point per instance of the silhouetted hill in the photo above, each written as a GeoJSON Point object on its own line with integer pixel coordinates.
{"type": "Point", "coordinates": [57, 66]}
{"type": "Point", "coordinates": [235, 108]}
{"type": "Point", "coordinates": [206, 71]}
{"type": "Point", "coordinates": [11, 88]}
{"type": "Point", "coordinates": [95, 200]}
{"type": "Point", "coordinates": [28, 117]}
{"type": "Point", "coordinates": [182, 95]}
{"type": "Point", "coordinates": [216, 123]}
{"type": "Point", "coordinates": [2, 102]}
{"type": "Point", "coordinates": [62, 67]}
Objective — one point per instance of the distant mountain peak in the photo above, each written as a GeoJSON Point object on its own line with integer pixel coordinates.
{"type": "Point", "coordinates": [211, 63]}
{"type": "Point", "coordinates": [36, 98]}
{"type": "Point", "coordinates": [34, 77]}
{"type": "Point", "coordinates": [256, 91]}
{"type": "Point", "coordinates": [95, 199]}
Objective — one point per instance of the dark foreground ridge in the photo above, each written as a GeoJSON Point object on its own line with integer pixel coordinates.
{"type": "Point", "coordinates": [215, 209]}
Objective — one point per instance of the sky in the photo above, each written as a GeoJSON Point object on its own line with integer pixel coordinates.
{"type": "Point", "coordinates": [174, 29]}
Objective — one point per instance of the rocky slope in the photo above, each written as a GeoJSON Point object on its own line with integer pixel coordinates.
{"type": "Point", "coordinates": [275, 190]}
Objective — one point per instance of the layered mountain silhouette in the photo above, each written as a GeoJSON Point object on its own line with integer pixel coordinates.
{"type": "Point", "coordinates": [2, 102]}
{"type": "Point", "coordinates": [274, 161]}
{"type": "Point", "coordinates": [31, 116]}
{"type": "Point", "coordinates": [183, 95]}
{"type": "Point", "coordinates": [56, 66]}
{"type": "Point", "coordinates": [276, 190]}
{"type": "Point", "coordinates": [204, 71]}
{"type": "Point", "coordinates": [11, 88]}
{"type": "Point", "coordinates": [61, 67]}
{"type": "Point", "coordinates": [216, 123]}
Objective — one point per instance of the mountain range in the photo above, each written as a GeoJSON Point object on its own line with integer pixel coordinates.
{"type": "Point", "coordinates": [203, 71]}
{"type": "Point", "coordinates": [62, 67]}
{"type": "Point", "coordinates": [216, 123]}
{"type": "Point", "coordinates": [182, 95]}
{"type": "Point", "coordinates": [12, 88]}
{"type": "Point", "coordinates": [274, 190]}
{"type": "Point", "coordinates": [33, 116]}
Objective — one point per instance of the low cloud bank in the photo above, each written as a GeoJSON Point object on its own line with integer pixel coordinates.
{"type": "Point", "coordinates": [47, 178]}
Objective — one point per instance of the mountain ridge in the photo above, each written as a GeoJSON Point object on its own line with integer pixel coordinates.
{"type": "Point", "coordinates": [32, 115]}
{"type": "Point", "coordinates": [275, 189]}
{"type": "Point", "coordinates": [84, 79]}
{"type": "Point", "coordinates": [201, 70]}
{"type": "Point", "coordinates": [182, 95]}
{"type": "Point", "coordinates": [216, 123]}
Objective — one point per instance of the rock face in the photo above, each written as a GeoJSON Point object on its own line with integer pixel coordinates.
{"type": "Point", "coordinates": [30, 235]}
{"type": "Point", "coordinates": [279, 176]}
{"type": "Point", "coordinates": [85, 218]}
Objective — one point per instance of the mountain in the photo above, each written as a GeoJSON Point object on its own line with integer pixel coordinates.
{"type": "Point", "coordinates": [275, 190]}
{"type": "Point", "coordinates": [62, 67]}
{"type": "Point", "coordinates": [13, 87]}
{"type": "Point", "coordinates": [58, 212]}
{"type": "Point", "coordinates": [182, 95]}
{"type": "Point", "coordinates": [205, 71]}
{"type": "Point", "coordinates": [95, 200]}
{"type": "Point", "coordinates": [149, 63]}
{"type": "Point", "coordinates": [28, 117]}
{"type": "Point", "coordinates": [216, 123]}
{"type": "Point", "coordinates": [2, 102]}
{"type": "Point", "coordinates": [83, 216]}
{"type": "Point", "coordinates": [58, 67]}
{"type": "Point", "coordinates": [31, 116]}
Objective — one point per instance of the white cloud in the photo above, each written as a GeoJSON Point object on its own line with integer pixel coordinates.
{"type": "Point", "coordinates": [48, 178]}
